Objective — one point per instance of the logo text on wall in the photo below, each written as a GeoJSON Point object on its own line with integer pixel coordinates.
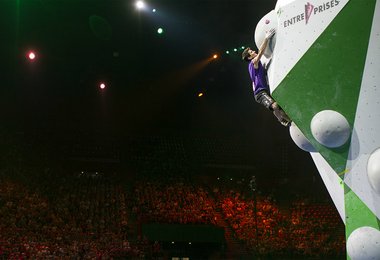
{"type": "Point", "coordinates": [310, 10]}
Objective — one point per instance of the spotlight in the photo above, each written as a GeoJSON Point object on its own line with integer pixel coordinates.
{"type": "Point", "coordinates": [200, 94]}
{"type": "Point", "coordinates": [102, 86]}
{"type": "Point", "coordinates": [215, 56]}
{"type": "Point", "coordinates": [154, 10]}
{"type": "Point", "coordinates": [235, 50]}
{"type": "Point", "coordinates": [31, 56]}
{"type": "Point", "coordinates": [227, 52]}
{"type": "Point", "coordinates": [140, 5]}
{"type": "Point", "coordinates": [160, 30]}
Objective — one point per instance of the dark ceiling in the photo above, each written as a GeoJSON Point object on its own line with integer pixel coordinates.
{"type": "Point", "coordinates": [153, 80]}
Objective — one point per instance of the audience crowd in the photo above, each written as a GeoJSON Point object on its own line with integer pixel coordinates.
{"type": "Point", "coordinates": [321, 225]}
{"type": "Point", "coordinates": [258, 224]}
{"type": "Point", "coordinates": [307, 230]}
{"type": "Point", "coordinates": [173, 203]}
{"type": "Point", "coordinates": [303, 230]}
{"type": "Point", "coordinates": [89, 217]}
{"type": "Point", "coordinates": [85, 218]}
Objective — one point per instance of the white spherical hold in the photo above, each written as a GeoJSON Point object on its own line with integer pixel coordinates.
{"type": "Point", "coordinates": [364, 244]}
{"type": "Point", "coordinates": [299, 139]}
{"type": "Point", "coordinates": [330, 128]}
{"type": "Point", "coordinates": [268, 22]}
{"type": "Point", "coordinates": [373, 170]}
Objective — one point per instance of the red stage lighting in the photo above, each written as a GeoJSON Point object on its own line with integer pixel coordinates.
{"type": "Point", "coordinates": [31, 56]}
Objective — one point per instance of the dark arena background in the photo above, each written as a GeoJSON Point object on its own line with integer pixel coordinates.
{"type": "Point", "coordinates": [131, 132]}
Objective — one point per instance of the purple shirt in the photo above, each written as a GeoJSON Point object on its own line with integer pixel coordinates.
{"type": "Point", "coordinates": [258, 77]}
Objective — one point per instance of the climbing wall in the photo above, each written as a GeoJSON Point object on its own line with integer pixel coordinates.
{"type": "Point", "coordinates": [325, 73]}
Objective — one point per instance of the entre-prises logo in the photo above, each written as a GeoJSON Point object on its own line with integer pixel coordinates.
{"type": "Point", "coordinates": [310, 10]}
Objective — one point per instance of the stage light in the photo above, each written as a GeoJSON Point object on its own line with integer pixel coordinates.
{"type": "Point", "coordinates": [31, 56]}
{"type": "Point", "coordinates": [154, 10]}
{"type": "Point", "coordinates": [160, 30]}
{"type": "Point", "coordinates": [140, 5]}
{"type": "Point", "coordinates": [200, 94]}
{"type": "Point", "coordinates": [235, 50]}
{"type": "Point", "coordinates": [102, 86]}
{"type": "Point", "coordinates": [227, 52]}
{"type": "Point", "coordinates": [215, 56]}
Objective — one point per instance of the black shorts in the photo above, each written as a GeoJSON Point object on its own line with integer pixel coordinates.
{"type": "Point", "coordinates": [264, 99]}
